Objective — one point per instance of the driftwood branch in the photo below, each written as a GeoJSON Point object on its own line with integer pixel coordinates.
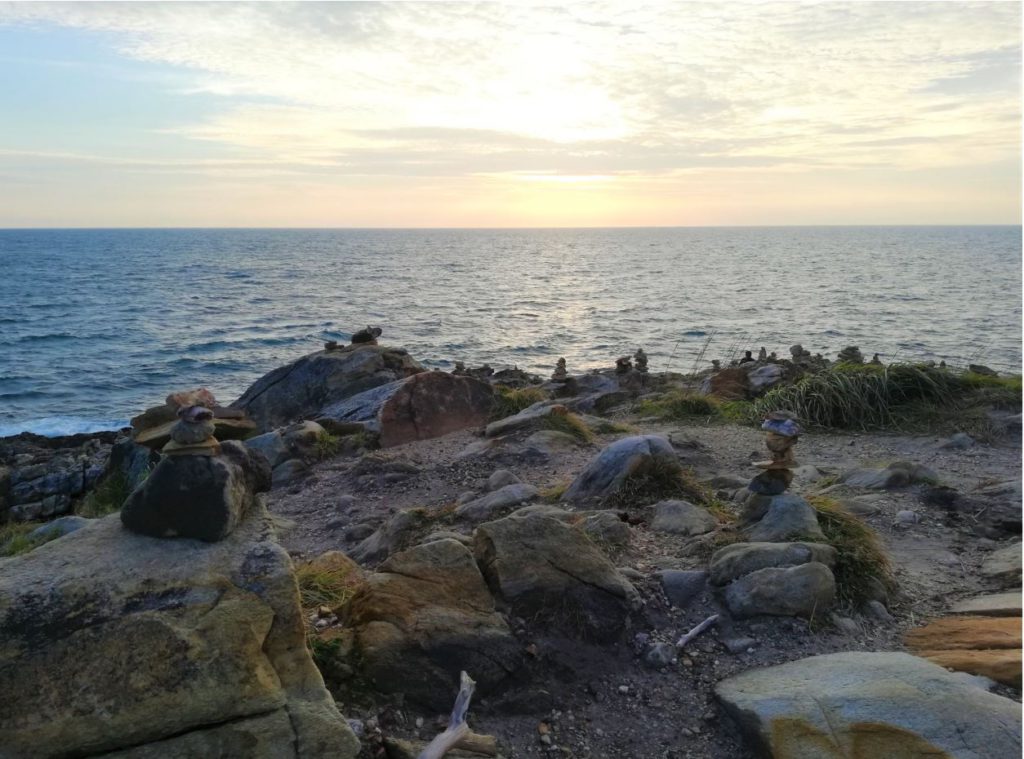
{"type": "Point", "coordinates": [457, 729]}
{"type": "Point", "coordinates": [478, 744]}
{"type": "Point", "coordinates": [697, 631]}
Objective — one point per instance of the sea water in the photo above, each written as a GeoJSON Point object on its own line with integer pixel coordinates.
{"type": "Point", "coordinates": [96, 325]}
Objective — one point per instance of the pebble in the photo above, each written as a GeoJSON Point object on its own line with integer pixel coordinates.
{"type": "Point", "coordinates": [907, 517]}
{"type": "Point", "coordinates": [623, 689]}
{"type": "Point", "coordinates": [659, 655]}
{"type": "Point", "coordinates": [738, 645]}
{"type": "Point", "coordinates": [878, 611]}
{"type": "Point", "coordinates": [346, 502]}
{"type": "Point", "coordinates": [846, 625]}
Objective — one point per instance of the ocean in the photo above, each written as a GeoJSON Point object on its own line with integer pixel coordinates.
{"type": "Point", "coordinates": [96, 325]}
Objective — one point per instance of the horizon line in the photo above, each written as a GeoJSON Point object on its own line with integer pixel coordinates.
{"type": "Point", "coordinates": [493, 228]}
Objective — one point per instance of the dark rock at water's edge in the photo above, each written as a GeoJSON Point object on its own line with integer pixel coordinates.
{"type": "Point", "coordinates": [301, 389]}
{"type": "Point", "coordinates": [118, 644]}
{"type": "Point", "coordinates": [202, 497]}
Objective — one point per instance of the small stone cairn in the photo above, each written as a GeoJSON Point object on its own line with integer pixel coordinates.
{"type": "Point", "coordinates": [367, 336]}
{"type": "Point", "coordinates": [851, 355]}
{"type": "Point", "coordinates": [193, 433]}
{"type": "Point", "coordinates": [641, 360]}
{"type": "Point", "coordinates": [560, 373]}
{"type": "Point", "coordinates": [782, 434]}
{"type": "Point", "coordinates": [624, 365]}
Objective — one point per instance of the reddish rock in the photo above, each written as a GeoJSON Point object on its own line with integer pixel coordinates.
{"type": "Point", "coordinates": [730, 384]}
{"type": "Point", "coordinates": [426, 405]}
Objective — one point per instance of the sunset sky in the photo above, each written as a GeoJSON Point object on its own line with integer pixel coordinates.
{"type": "Point", "coordinates": [457, 114]}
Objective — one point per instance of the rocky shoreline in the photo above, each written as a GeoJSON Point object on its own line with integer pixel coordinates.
{"type": "Point", "coordinates": [594, 550]}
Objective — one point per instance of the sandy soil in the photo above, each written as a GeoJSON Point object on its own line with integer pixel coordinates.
{"type": "Point", "coordinates": [603, 701]}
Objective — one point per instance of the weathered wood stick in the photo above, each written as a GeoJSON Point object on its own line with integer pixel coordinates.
{"type": "Point", "coordinates": [697, 631]}
{"type": "Point", "coordinates": [457, 727]}
{"type": "Point", "coordinates": [478, 744]}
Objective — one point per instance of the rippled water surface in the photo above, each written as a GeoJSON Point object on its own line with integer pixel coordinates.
{"type": "Point", "coordinates": [98, 324]}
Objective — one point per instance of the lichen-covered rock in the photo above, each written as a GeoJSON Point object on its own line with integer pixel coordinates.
{"type": "Point", "coordinates": [606, 472]}
{"type": "Point", "coordinates": [301, 389]}
{"type": "Point", "coordinates": [116, 642]}
{"type": "Point", "coordinates": [734, 561]}
{"type": "Point", "coordinates": [423, 406]}
{"type": "Point", "coordinates": [545, 569]}
{"type": "Point", "coordinates": [425, 616]}
{"type": "Point", "coordinates": [859, 705]}
{"type": "Point", "coordinates": [201, 497]}
{"type": "Point", "coordinates": [801, 591]}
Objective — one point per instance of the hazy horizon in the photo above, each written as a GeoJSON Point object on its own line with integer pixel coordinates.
{"type": "Point", "coordinates": [494, 116]}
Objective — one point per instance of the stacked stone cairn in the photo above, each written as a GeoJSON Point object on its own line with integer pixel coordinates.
{"type": "Point", "coordinates": [201, 488]}
{"type": "Point", "coordinates": [560, 373]}
{"type": "Point", "coordinates": [641, 360]}
{"type": "Point", "coordinates": [851, 355]}
{"type": "Point", "coordinates": [367, 336]}
{"type": "Point", "coordinates": [786, 568]}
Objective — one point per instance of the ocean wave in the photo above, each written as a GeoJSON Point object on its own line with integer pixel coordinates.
{"type": "Point", "coordinates": [56, 426]}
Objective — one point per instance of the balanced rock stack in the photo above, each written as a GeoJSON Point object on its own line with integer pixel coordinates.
{"type": "Point", "coordinates": [153, 427]}
{"type": "Point", "coordinates": [560, 372]}
{"type": "Point", "coordinates": [783, 434]}
{"type": "Point", "coordinates": [851, 355]}
{"type": "Point", "coordinates": [201, 488]}
{"type": "Point", "coordinates": [641, 360]}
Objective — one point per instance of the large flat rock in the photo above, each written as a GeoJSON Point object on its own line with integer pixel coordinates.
{"type": "Point", "coordinates": [991, 605]}
{"type": "Point", "coordinates": [113, 641]}
{"type": "Point", "coordinates": [870, 706]}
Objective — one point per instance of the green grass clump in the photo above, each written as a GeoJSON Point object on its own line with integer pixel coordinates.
{"type": "Point", "coordinates": [861, 559]}
{"type": "Point", "coordinates": [679, 404]}
{"type": "Point", "coordinates": [657, 479]}
{"type": "Point", "coordinates": [898, 396]}
{"type": "Point", "coordinates": [14, 539]}
{"type": "Point", "coordinates": [510, 401]}
{"type": "Point", "coordinates": [608, 427]}
{"type": "Point", "coordinates": [570, 424]}
{"type": "Point", "coordinates": [741, 412]}
{"type": "Point", "coordinates": [107, 497]}
{"type": "Point", "coordinates": [326, 445]}
{"type": "Point", "coordinates": [552, 493]}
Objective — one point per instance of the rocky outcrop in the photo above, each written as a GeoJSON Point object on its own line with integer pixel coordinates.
{"type": "Point", "coordinates": [545, 569]}
{"type": "Point", "coordinates": [423, 406]}
{"type": "Point", "coordinates": [868, 706]}
{"type": "Point", "coordinates": [991, 605]}
{"type": "Point", "coordinates": [201, 497]}
{"type": "Point", "coordinates": [301, 389]}
{"type": "Point", "coordinates": [425, 616]}
{"type": "Point", "coordinates": [140, 647]}
{"type": "Point", "coordinates": [607, 471]}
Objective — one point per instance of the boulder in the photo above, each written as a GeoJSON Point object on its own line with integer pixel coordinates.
{"type": "Point", "coordinates": [734, 561]}
{"type": "Point", "coordinates": [802, 591]}
{"type": "Point", "coordinates": [762, 377]}
{"type": "Point", "coordinates": [682, 518]}
{"type": "Point", "coordinates": [301, 389]}
{"type": "Point", "coordinates": [545, 569]}
{"type": "Point", "coordinates": [270, 444]}
{"type": "Point", "coordinates": [606, 472]}
{"type": "Point", "coordinates": [606, 529]}
{"type": "Point", "coordinates": [289, 471]}
{"type": "Point", "coordinates": [991, 605]}
{"type": "Point", "coordinates": [1003, 567]}
{"type": "Point", "coordinates": [423, 406]}
{"type": "Point", "coordinates": [58, 528]}
{"type": "Point", "coordinates": [201, 497]}
{"type": "Point", "coordinates": [729, 384]}
{"type": "Point", "coordinates": [780, 518]}
{"type": "Point", "coordinates": [121, 643]}
{"type": "Point", "coordinates": [491, 505]}
{"type": "Point", "coordinates": [530, 417]}
{"type": "Point", "coordinates": [500, 478]}
{"type": "Point", "coordinates": [870, 705]}
{"type": "Point", "coordinates": [425, 616]}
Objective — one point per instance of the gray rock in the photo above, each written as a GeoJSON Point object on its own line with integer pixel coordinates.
{"type": "Point", "coordinates": [390, 536]}
{"type": "Point", "coordinates": [659, 655]}
{"type": "Point", "coordinates": [493, 504]}
{"type": "Point", "coordinates": [807, 473]}
{"type": "Point", "coordinates": [738, 645]}
{"type": "Point", "coordinates": [201, 497]}
{"type": "Point", "coordinates": [734, 561]}
{"type": "Point", "coordinates": [960, 441]}
{"type": "Point", "coordinates": [877, 610]}
{"type": "Point", "coordinates": [500, 479]}
{"type": "Point", "coordinates": [466, 540]}
{"type": "Point", "coordinates": [846, 625]}
{"type": "Point", "coordinates": [290, 471]}
{"type": "Point", "coordinates": [803, 591]}
{"type": "Point", "coordinates": [727, 482]}
{"type": "Point", "coordinates": [860, 507]}
{"type": "Point", "coordinates": [682, 518]}
{"type": "Point", "coordinates": [763, 377]}
{"type": "Point", "coordinates": [887, 704]}
{"type": "Point", "coordinates": [633, 575]}
{"type": "Point", "coordinates": [897, 475]}
{"type": "Point", "coordinates": [682, 586]}
{"type": "Point", "coordinates": [1003, 567]}
{"type": "Point", "coordinates": [609, 469]}
{"type": "Point", "coordinates": [543, 445]}
{"type": "Point", "coordinates": [907, 517]}
{"type": "Point", "coordinates": [271, 445]}
{"type": "Point", "coordinates": [529, 418]}
{"type": "Point", "coordinates": [606, 529]}
{"type": "Point", "coordinates": [359, 531]}
{"type": "Point", "coordinates": [59, 528]}
{"type": "Point", "coordinates": [300, 390]}
{"type": "Point", "coordinates": [991, 605]}
{"type": "Point", "coordinates": [545, 569]}
{"type": "Point", "coordinates": [346, 502]}
{"type": "Point", "coordinates": [787, 516]}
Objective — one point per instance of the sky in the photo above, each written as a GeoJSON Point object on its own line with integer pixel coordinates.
{"type": "Point", "coordinates": [509, 115]}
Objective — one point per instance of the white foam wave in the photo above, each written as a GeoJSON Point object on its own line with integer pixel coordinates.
{"type": "Point", "coordinates": [56, 426]}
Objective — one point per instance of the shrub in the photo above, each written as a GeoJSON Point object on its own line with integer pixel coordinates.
{"type": "Point", "coordinates": [553, 492]}
{"type": "Point", "coordinates": [679, 404]}
{"type": "Point", "coordinates": [324, 582]}
{"type": "Point", "coordinates": [326, 445]}
{"type": "Point", "coordinates": [570, 424]}
{"type": "Point", "coordinates": [658, 479]}
{"type": "Point", "coordinates": [509, 401]}
{"type": "Point", "coordinates": [14, 539]}
{"type": "Point", "coordinates": [608, 427]}
{"type": "Point", "coordinates": [861, 558]}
